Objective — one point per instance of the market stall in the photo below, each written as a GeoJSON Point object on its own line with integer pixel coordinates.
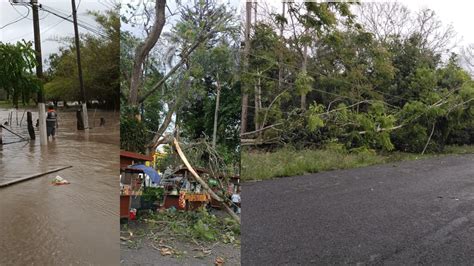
{"type": "Point", "coordinates": [130, 186]}
{"type": "Point", "coordinates": [183, 192]}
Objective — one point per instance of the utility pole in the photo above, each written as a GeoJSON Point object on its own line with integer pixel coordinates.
{"type": "Point", "coordinates": [39, 74]}
{"type": "Point", "coordinates": [78, 53]}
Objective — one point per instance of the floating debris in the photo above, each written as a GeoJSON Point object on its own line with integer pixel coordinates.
{"type": "Point", "coordinates": [59, 181]}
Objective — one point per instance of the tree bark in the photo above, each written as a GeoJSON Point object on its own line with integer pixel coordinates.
{"type": "Point", "coordinates": [429, 139]}
{"type": "Point", "coordinates": [245, 96]}
{"type": "Point", "coordinates": [282, 45]}
{"type": "Point", "coordinates": [303, 69]}
{"type": "Point", "coordinates": [257, 102]}
{"type": "Point", "coordinates": [144, 48]}
{"type": "Point", "coordinates": [216, 114]}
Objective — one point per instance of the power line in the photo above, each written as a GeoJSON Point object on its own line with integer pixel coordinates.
{"type": "Point", "coordinates": [58, 12]}
{"type": "Point", "coordinates": [15, 21]}
{"type": "Point", "coordinates": [81, 25]}
{"type": "Point", "coordinates": [17, 11]}
{"type": "Point", "coordinates": [65, 16]}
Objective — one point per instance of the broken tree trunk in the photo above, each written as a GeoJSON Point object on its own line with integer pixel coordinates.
{"type": "Point", "coordinates": [204, 184]}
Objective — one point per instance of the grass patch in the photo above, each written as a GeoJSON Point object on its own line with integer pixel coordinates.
{"type": "Point", "coordinates": [8, 105]}
{"type": "Point", "coordinates": [465, 149]}
{"type": "Point", "coordinates": [257, 165]}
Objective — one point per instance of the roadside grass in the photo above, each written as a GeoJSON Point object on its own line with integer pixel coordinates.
{"type": "Point", "coordinates": [259, 165]}
{"type": "Point", "coordinates": [8, 105]}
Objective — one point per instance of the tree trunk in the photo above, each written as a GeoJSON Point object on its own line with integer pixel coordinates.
{"type": "Point", "coordinates": [256, 103]}
{"type": "Point", "coordinates": [216, 114]}
{"type": "Point", "coordinates": [280, 55]}
{"type": "Point", "coordinates": [144, 49]}
{"type": "Point", "coordinates": [303, 69]}
{"type": "Point", "coordinates": [245, 96]}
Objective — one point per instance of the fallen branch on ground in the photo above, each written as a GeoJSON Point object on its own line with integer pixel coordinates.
{"type": "Point", "coordinates": [204, 184]}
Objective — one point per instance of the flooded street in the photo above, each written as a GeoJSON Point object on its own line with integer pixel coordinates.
{"type": "Point", "coordinates": [70, 224]}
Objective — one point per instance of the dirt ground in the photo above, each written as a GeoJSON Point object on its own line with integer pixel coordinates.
{"type": "Point", "coordinates": [149, 247]}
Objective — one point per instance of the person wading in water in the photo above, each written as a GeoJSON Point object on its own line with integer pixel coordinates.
{"type": "Point", "coordinates": [51, 122]}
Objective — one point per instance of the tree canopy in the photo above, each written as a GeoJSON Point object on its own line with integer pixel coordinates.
{"type": "Point", "coordinates": [189, 83]}
{"type": "Point", "coordinates": [17, 62]}
{"type": "Point", "coordinates": [100, 65]}
{"type": "Point", "coordinates": [364, 87]}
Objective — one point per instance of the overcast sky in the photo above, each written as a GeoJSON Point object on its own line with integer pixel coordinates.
{"type": "Point", "coordinates": [458, 13]}
{"type": "Point", "coordinates": [51, 26]}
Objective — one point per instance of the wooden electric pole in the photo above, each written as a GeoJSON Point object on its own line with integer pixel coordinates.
{"type": "Point", "coordinates": [78, 53]}
{"type": "Point", "coordinates": [39, 73]}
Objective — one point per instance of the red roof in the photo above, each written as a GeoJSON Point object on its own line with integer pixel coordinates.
{"type": "Point", "coordinates": [136, 156]}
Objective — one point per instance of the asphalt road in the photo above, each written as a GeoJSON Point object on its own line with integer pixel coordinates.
{"type": "Point", "coordinates": [417, 212]}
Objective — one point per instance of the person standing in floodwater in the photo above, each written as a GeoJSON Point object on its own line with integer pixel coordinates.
{"type": "Point", "coordinates": [51, 121]}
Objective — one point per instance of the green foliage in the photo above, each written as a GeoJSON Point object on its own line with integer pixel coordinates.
{"type": "Point", "coordinates": [100, 65]}
{"type": "Point", "coordinates": [314, 117]}
{"type": "Point", "coordinates": [16, 78]}
{"type": "Point", "coordinates": [152, 194]}
{"type": "Point", "coordinates": [198, 225]}
{"type": "Point", "coordinates": [387, 95]}
{"type": "Point", "coordinates": [133, 135]}
{"type": "Point", "coordinates": [303, 83]}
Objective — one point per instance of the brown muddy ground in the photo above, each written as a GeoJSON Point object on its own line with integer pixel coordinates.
{"type": "Point", "coordinates": [59, 225]}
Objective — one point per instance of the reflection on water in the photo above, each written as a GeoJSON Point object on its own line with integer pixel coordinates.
{"type": "Point", "coordinates": [71, 224]}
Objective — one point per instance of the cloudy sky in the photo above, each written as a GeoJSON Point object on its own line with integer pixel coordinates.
{"type": "Point", "coordinates": [51, 26]}
{"type": "Point", "coordinates": [458, 13]}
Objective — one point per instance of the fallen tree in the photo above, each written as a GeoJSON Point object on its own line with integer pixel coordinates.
{"type": "Point", "coordinates": [203, 183]}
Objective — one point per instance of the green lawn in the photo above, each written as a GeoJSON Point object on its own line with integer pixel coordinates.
{"type": "Point", "coordinates": [290, 162]}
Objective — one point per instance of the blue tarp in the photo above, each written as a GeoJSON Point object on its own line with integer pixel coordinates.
{"type": "Point", "coordinates": [155, 177]}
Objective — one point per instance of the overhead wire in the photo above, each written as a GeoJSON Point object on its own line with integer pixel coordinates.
{"type": "Point", "coordinates": [89, 28]}
{"type": "Point", "coordinates": [17, 20]}
{"type": "Point", "coordinates": [67, 14]}
{"type": "Point", "coordinates": [18, 12]}
{"type": "Point", "coordinates": [63, 15]}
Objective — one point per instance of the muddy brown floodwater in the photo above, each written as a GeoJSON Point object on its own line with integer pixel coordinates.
{"type": "Point", "coordinates": [61, 225]}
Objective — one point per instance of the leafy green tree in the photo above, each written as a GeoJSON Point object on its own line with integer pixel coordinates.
{"type": "Point", "coordinates": [100, 63]}
{"type": "Point", "coordinates": [16, 65]}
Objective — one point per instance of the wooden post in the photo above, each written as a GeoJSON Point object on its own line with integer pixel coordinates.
{"type": "Point", "coordinates": [80, 122]}
{"type": "Point", "coordinates": [1, 140]}
{"type": "Point", "coordinates": [29, 121]}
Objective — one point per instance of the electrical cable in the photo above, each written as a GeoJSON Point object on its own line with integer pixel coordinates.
{"type": "Point", "coordinates": [79, 24]}
{"type": "Point", "coordinates": [19, 19]}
